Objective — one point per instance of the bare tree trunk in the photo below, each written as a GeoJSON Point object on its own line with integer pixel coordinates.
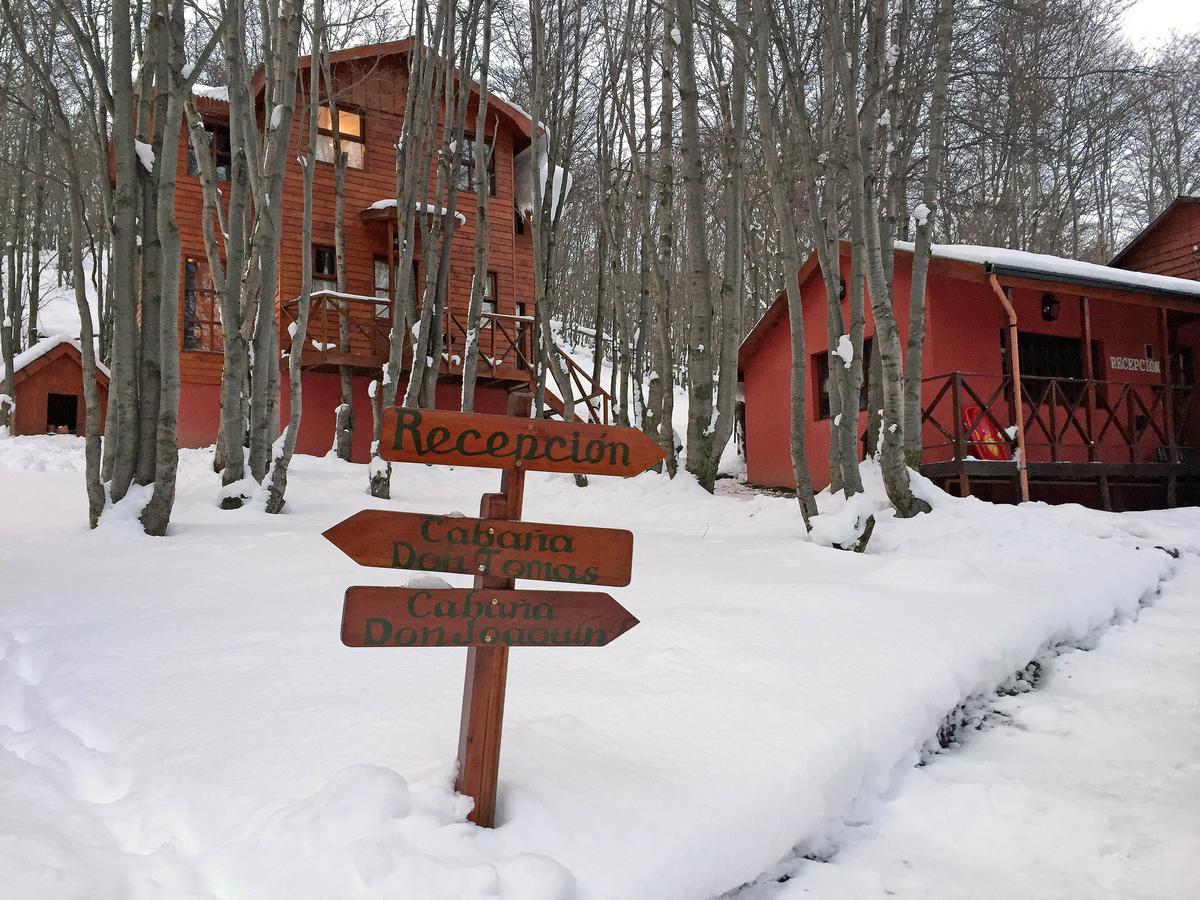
{"type": "Point", "coordinates": [482, 192]}
{"type": "Point", "coordinates": [157, 514]}
{"type": "Point", "coordinates": [277, 486]}
{"type": "Point", "coordinates": [865, 237]}
{"type": "Point", "coordinates": [944, 29]}
{"type": "Point", "coordinates": [790, 246]}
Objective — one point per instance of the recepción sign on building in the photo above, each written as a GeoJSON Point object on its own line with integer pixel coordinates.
{"type": "Point", "coordinates": [1134, 364]}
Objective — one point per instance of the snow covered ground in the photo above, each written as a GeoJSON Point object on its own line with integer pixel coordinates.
{"type": "Point", "coordinates": [1088, 787]}
{"type": "Point", "coordinates": [178, 717]}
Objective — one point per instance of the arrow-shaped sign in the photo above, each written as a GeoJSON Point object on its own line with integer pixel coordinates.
{"type": "Point", "coordinates": [499, 547]}
{"type": "Point", "coordinates": [504, 442]}
{"type": "Point", "coordinates": [447, 617]}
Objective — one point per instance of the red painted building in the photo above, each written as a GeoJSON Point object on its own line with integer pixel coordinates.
{"type": "Point", "coordinates": [47, 388]}
{"type": "Point", "coordinates": [370, 84]}
{"type": "Point", "coordinates": [1106, 364]}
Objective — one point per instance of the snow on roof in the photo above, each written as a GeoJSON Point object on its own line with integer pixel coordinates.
{"type": "Point", "coordinates": [1060, 267]}
{"type": "Point", "coordinates": [390, 203]}
{"type": "Point", "coordinates": [41, 348]}
{"type": "Point", "coordinates": [211, 91]}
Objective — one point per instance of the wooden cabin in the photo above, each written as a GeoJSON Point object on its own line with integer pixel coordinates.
{"type": "Point", "coordinates": [1169, 245]}
{"type": "Point", "coordinates": [48, 388]}
{"type": "Point", "coordinates": [370, 88]}
{"type": "Point", "coordinates": [1106, 364]}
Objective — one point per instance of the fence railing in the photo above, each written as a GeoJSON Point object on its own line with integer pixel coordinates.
{"type": "Point", "coordinates": [353, 329]}
{"type": "Point", "coordinates": [971, 416]}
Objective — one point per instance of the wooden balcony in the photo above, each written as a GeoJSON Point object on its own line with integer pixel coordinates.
{"type": "Point", "coordinates": [353, 330]}
{"type": "Point", "coordinates": [1076, 430]}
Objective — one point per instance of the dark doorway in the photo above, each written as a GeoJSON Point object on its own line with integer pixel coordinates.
{"type": "Point", "coordinates": [62, 412]}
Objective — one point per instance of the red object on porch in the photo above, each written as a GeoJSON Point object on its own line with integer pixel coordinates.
{"type": "Point", "coordinates": [987, 440]}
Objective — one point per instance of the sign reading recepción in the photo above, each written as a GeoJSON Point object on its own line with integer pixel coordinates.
{"type": "Point", "coordinates": [1134, 364]}
{"type": "Point", "coordinates": [443, 437]}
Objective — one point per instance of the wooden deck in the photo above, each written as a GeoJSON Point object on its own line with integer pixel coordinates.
{"type": "Point", "coordinates": [1111, 445]}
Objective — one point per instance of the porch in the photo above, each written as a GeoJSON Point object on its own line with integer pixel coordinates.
{"type": "Point", "coordinates": [353, 330]}
{"type": "Point", "coordinates": [1115, 445]}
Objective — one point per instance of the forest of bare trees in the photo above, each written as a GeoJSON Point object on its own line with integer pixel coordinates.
{"type": "Point", "coordinates": [709, 148]}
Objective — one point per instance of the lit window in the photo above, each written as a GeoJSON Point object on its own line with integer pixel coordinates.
{"type": "Point", "coordinates": [350, 129]}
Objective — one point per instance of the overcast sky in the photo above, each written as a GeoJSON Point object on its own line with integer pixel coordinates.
{"type": "Point", "coordinates": [1149, 22]}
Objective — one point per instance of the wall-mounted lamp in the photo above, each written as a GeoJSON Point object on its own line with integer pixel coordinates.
{"type": "Point", "coordinates": [1050, 307]}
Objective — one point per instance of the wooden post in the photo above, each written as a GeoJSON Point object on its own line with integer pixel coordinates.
{"type": "Point", "coordinates": [487, 667]}
{"type": "Point", "coordinates": [1089, 372]}
{"type": "Point", "coordinates": [1168, 394]}
{"type": "Point", "coordinates": [1018, 400]}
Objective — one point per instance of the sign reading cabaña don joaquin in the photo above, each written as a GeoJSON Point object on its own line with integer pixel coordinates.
{"type": "Point", "coordinates": [448, 617]}
{"type": "Point", "coordinates": [498, 547]}
{"type": "Point", "coordinates": [504, 442]}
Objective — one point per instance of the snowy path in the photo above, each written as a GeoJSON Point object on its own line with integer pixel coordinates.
{"type": "Point", "coordinates": [1086, 788]}
{"type": "Point", "coordinates": [179, 719]}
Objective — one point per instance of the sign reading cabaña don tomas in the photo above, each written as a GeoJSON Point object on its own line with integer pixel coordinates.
{"type": "Point", "coordinates": [446, 617]}
{"type": "Point", "coordinates": [467, 546]}
{"type": "Point", "coordinates": [503, 442]}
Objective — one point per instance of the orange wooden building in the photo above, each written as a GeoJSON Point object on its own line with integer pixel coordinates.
{"type": "Point", "coordinates": [1106, 364]}
{"type": "Point", "coordinates": [369, 84]}
{"type": "Point", "coordinates": [48, 388]}
{"type": "Point", "coordinates": [1169, 245]}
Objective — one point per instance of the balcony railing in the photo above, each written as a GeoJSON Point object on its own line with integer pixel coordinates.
{"type": "Point", "coordinates": [505, 341]}
{"type": "Point", "coordinates": [970, 416]}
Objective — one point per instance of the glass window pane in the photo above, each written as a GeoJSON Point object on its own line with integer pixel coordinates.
{"type": "Point", "coordinates": [355, 154]}
{"type": "Point", "coordinates": [324, 148]}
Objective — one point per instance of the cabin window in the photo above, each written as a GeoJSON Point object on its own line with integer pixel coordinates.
{"type": "Point", "coordinates": [349, 128]}
{"type": "Point", "coordinates": [201, 309]}
{"type": "Point", "coordinates": [383, 289]}
{"type": "Point", "coordinates": [62, 413]}
{"type": "Point", "coordinates": [821, 380]}
{"type": "Point", "coordinates": [324, 268]}
{"type": "Point", "coordinates": [471, 152]}
{"type": "Point", "coordinates": [218, 146]}
{"type": "Point", "coordinates": [489, 294]}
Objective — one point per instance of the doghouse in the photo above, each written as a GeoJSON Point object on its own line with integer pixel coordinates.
{"type": "Point", "coordinates": [48, 388]}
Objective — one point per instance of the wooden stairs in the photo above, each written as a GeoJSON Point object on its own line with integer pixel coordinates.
{"type": "Point", "coordinates": [593, 404]}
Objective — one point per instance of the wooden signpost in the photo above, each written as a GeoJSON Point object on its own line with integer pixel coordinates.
{"type": "Point", "coordinates": [497, 548]}
{"type": "Point", "coordinates": [464, 546]}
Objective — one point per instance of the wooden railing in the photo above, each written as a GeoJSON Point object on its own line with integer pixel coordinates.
{"type": "Point", "coordinates": [1066, 419]}
{"type": "Point", "coordinates": [505, 343]}
{"type": "Point", "coordinates": [368, 321]}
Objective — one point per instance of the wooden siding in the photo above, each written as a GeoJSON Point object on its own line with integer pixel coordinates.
{"type": "Point", "coordinates": [374, 87]}
{"type": "Point", "coordinates": [1168, 245]}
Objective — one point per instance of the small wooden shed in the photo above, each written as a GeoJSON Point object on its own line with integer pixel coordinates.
{"type": "Point", "coordinates": [48, 388]}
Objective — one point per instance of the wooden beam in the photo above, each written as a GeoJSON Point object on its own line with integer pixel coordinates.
{"type": "Point", "coordinates": [1018, 400]}
{"type": "Point", "coordinates": [1115, 295]}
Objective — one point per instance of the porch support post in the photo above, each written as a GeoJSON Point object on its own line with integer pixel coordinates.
{"type": "Point", "coordinates": [1089, 372]}
{"type": "Point", "coordinates": [1168, 393]}
{"type": "Point", "coordinates": [1018, 399]}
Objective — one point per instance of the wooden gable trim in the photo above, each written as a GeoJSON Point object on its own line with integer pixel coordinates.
{"type": "Point", "coordinates": [1155, 223]}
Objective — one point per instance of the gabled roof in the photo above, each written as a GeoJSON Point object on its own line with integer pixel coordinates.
{"type": "Point", "coordinates": [57, 345]}
{"type": "Point", "coordinates": [1181, 200]}
{"type": "Point", "coordinates": [513, 113]}
{"type": "Point", "coordinates": [970, 262]}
